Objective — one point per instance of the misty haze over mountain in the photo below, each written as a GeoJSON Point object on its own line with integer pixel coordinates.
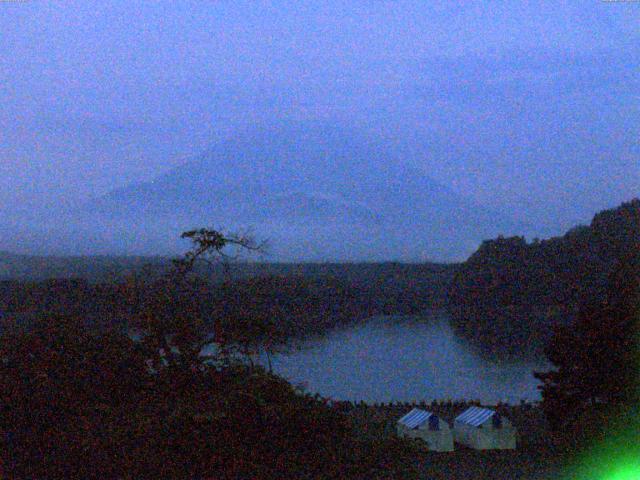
{"type": "Point", "coordinates": [315, 192]}
{"type": "Point", "coordinates": [509, 117]}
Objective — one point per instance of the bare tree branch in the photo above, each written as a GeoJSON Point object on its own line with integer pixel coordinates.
{"type": "Point", "coordinates": [209, 245]}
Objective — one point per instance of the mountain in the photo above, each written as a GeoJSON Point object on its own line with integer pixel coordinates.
{"type": "Point", "coordinates": [316, 193]}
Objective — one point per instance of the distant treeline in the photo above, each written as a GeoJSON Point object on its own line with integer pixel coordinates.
{"type": "Point", "coordinates": [104, 268]}
{"type": "Point", "coordinates": [296, 300]}
{"type": "Point", "coordinates": [33, 268]}
{"type": "Point", "coordinates": [507, 296]}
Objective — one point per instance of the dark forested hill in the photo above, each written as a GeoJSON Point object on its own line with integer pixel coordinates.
{"type": "Point", "coordinates": [308, 298]}
{"type": "Point", "coordinates": [509, 293]}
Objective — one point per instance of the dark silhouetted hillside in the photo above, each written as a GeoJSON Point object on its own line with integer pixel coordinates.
{"type": "Point", "coordinates": [509, 293]}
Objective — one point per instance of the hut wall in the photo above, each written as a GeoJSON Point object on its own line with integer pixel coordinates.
{"type": "Point", "coordinates": [485, 437]}
{"type": "Point", "coordinates": [437, 441]}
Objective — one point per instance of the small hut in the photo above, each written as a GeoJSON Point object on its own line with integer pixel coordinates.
{"type": "Point", "coordinates": [427, 427]}
{"type": "Point", "coordinates": [484, 429]}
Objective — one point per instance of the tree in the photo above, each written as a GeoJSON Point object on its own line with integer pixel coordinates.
{"type": "Point", "coordinates": [173, 313]}
{"type": "Point", "coordinates": [597, 358]}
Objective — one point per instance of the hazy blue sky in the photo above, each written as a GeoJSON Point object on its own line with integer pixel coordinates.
{"type": "Point", "coordinates": [533, 106]}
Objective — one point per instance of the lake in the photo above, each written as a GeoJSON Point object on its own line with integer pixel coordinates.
{"type": "Point", "coordinates": [406, 359]}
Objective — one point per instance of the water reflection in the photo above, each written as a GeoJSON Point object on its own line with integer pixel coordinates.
{"type": "Point", "coordinates": [406, 359]}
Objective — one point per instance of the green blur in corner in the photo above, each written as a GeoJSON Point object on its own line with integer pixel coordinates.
{"type": "Point", "coordinates": [631, 472]}
{"type": "Point", "coordinates": [617, 456]}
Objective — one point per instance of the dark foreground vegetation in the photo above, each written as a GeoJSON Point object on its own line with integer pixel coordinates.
{"type": "Point", "coordinates": [81, 402]}
{"type": "Point", "coordinates": [82, 406]}
{"type": "Point", "coordinates": [596, 359]}
{"type": "Point", "coordinates": [508, 296]}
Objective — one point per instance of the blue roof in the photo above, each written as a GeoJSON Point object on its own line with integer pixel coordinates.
{"type": "Point", "coordinates": [415, 418]}
{"type": "Point", "coordinates": [475, 416]}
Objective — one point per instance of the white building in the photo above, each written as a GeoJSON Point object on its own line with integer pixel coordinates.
{"type": "Point", "coordinates": [484, 429]}
{"type": "Point", "coordinates": [427, 427]}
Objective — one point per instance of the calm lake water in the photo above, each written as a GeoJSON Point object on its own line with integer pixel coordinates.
{"type": "Point", "coordinates": [406, 359]}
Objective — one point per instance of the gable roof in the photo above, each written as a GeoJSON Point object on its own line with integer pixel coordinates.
{"type": "Point", "coordinates": [475, 416]}
{"type": "Point", "coordinates": [415, 418]}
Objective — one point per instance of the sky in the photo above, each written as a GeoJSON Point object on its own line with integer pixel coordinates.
{"type": "Point", "coordinates": [531, 107]}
